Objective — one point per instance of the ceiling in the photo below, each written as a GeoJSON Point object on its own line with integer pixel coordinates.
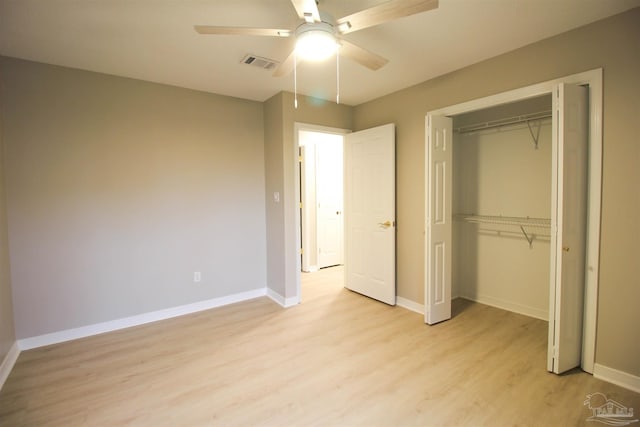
{"type": "Point", "coordinates": [154, 40]}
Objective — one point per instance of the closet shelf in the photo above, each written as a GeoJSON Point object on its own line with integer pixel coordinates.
{"type": "Point", "coordinates": [524, 118]}
{"type": "Point", "coordinates": [516, 221]}
{"type": "Point", "coordinates": [505, 220]}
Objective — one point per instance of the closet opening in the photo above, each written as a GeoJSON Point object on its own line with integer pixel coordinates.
{"type": "Point", "coordinates": [501, 205]}
{"type": "Point", "coordinates": [504, 219]}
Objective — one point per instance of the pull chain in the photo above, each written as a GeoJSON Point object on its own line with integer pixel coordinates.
{"type": "Point", "coordinates": [338, 75]}
{"type": "Point", "coordinates": [295, 80]}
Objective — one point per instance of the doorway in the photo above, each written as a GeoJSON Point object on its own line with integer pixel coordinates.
{"type": "Point", "coordinates": [592, 81]}
{"type": "Point", "coordinates": [308, 138]}
{"type": "Point", "coordinates": [369, 210]}
{"type": "Point", "coordinates": [321, 199]}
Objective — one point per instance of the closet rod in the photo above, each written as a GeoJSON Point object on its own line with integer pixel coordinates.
{"type": "Point", "coordinates": [505, 220]}
{"type": "Point", "coordinates": [516, 221]}
{"type": "Point", "coordinates": [524, 118]}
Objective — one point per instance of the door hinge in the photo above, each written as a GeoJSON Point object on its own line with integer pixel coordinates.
{"type": "Point", "coordinates": [300, 159]}
{"type": "Point", "coordinates": [300, 205]}
{"type": "Point", "coordinates": [301, 251]}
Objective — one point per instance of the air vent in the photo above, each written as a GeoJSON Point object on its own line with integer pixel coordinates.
{"type": "Point", "coordinates": [260, 62]}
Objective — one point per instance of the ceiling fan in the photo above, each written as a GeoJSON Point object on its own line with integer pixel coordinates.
{"type": "Point", "coordinates": [319, 36]}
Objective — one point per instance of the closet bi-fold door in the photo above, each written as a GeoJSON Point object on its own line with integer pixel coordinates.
{"type": "Point", "coordinates": [438, 218]}
{"type": "Point", "coordinates": [568, 227]}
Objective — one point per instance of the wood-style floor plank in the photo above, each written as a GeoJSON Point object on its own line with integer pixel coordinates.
{"type": "Point", "coordinates": [337, 359]}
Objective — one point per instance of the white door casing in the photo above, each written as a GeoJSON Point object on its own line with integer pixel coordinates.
{"type": "Point", "coordinates": [568, 227]}
{"type": "Point", "coordinates": [438, 218]}
{"type": "Point", "coordinates": [308, 212]}
{"type": "Point", "coordinates": [369, 159]}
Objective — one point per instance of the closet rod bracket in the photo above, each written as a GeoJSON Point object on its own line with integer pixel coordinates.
{"type": "Point", "coordinates": [535, 137]}
{"type": "Point", "coordinates": [529, 238]}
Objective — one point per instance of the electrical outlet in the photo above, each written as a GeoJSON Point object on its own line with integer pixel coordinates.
{"type": "Point", "coordinates": [197, 277]}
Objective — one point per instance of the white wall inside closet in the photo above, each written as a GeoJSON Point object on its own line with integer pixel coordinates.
{"type": "Point", "coordinates": [321, 176]}
{"type": "Point", "coordinates": [501, 180]}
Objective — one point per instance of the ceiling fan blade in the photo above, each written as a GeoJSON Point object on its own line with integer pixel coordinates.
{"type": "Point", "coordinates": [362, 56]}
{"type": "Point", "coordinates": [384, 12]}
{"type": "Point", "coordinates": [242, 31]}
{"type": "Point", "coordinates": [307, 10]}
{"type": "Point", "coordinates": [286, 67]}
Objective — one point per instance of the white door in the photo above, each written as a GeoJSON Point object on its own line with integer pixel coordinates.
{"type": "Point", "coordinates": [438, 218]}
{"type": "Point", "coordinates": [329, 189]}
{"type": "Point", "coordinates": [370, 237]}
{"type": "Point", "coordinates": [568, 227]}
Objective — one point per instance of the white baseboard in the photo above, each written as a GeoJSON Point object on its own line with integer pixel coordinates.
{"type": "Point", "coordinates": [140, 319]}
{"type": "Point", "coordinates": [614, 376]}
{"type": "Point", "coordinates": [410, 305]}
{"type": "Point", "coordinates": [510, 306]}
{"type": "Point", "coordinates": [8, 362]}
{"type": "Point", "coordinates": [285, 302]}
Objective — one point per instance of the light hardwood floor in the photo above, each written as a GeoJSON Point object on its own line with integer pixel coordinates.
{"type": "Point", "coordinates": [337, 359]}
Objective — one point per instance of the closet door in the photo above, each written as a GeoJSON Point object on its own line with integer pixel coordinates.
{"type": "Point", "coordinates": [568, 227]}
{"type": "Point", "coordinates": [438, 229]}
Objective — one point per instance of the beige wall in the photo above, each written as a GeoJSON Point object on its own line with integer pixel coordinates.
{"type": "Point", "coordinates": [612, 44]}
{"type": "Point", "coordinates": [7, 333]}
{"type": "Point", "coordinates": [118, 190]}
{"type": "Point", "coordinates": [280, 119]}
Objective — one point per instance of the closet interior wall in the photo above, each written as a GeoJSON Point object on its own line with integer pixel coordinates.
{"type": "Point", "coordinates": [500, 171]}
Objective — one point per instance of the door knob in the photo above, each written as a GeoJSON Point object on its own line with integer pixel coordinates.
{"type": "Point", "coordinates": [385, 224]}
{"type": "Point", "coordinates": [565, 248]}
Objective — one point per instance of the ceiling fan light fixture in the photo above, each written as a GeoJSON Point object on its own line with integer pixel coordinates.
{"type": "Point", "coordinates": [316, 42]}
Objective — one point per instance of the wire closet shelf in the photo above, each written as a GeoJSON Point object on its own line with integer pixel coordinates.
{"type": "Point", "coordinates": [523, 118]}
{"type": "Point", "coordinates": [522, 223]}
{"type": "Point", "coordinates": [533, 122]}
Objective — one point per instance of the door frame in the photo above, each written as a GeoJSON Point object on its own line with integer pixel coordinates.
{"type": "Point", "coordinates": [308, 234]}
{"type": "Point", "coordinates": [594, 80]}
{"type": "Point", "coordinates": [297, 127]}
